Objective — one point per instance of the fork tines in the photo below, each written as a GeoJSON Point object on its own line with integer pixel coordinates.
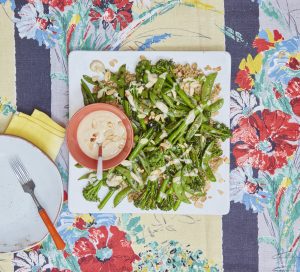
{"type": "Point", "coordinates": [19, 169]}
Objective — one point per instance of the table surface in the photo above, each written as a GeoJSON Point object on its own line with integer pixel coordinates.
{"type": "Point", "coordinates": [261, 232]}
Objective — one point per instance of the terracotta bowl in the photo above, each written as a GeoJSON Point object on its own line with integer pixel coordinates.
{"type": "Point", "coordinates": [72, 141]}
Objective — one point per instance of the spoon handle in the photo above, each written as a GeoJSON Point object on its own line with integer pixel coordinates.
{"type": "Point", "coordinates": [100, 164]}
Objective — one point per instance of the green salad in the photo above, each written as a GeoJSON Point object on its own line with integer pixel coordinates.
{"type": "Point", "coordinates": [177, 143]}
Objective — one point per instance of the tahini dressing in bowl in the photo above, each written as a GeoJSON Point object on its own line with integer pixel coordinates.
{"type": "Point", "coordinates": [101, 127]}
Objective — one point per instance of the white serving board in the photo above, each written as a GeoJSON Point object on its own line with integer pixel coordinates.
{"type": "Point", "coordinates": [79, 62]}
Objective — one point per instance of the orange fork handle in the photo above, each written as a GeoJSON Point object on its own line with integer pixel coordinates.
{"type": "Point", "coordinates": [60, 244]}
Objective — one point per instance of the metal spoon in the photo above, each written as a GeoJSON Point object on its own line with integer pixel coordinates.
{"type": "Point", "coordinates": [100, 163]}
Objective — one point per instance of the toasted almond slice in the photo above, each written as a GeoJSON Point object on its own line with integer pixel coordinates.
{"type": "Point", "coordinates": [108, 133]}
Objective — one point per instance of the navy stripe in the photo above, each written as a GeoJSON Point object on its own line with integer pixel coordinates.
{"type": "Point", "coordinates": [33, 83]}
{"type": "Point", "coordinates": [243, 17]}
{"type": "Point", "coordinates": [240, 227]}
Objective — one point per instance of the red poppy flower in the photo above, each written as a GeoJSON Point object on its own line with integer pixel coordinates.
{"type": "Point", "coordinates": [60, 4]}
{"type": "Point", "coordinates": [262, 44]}
{"type": "Point", "coordinates": [293, 63]}
{"type": "Point", "coordinates": [117, 13]}
{"type": "Point", "coordinates": [265, 140]}
{"type": "Point", "coordinates": [295, 103]}
{"type": "Point", "coordinates": [293, 87]}
{"type": "Point", "coordinates": [105, 250]}
{"type": "Point", "coordinates": [108, 15]}
{"type": "Point", "coordinates": [81, 224]}
{"type": "Point", "coordinates": [124, 14]}
{"type": "Point", "coordinates": [95, 16]}
{"type": "Point", "coordinates": [244, 79]}
{"type": "Point", "coordinates": [123, 18]}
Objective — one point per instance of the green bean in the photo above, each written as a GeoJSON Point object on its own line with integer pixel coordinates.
{"type": "Point", "coordinates": [168, 100]}
{"type": "Point", "coordinates": [141, 144]}
{"type": "Point", "coordinates": [207, 87]}
{"type": "Point", "coordinates": [195, 158]}
{"type": "Point", "coordinates": [184, 124]}
{"type": "Point", "coordinates": [178, 189]}
{"type": "Point", "coordinates": [201, 80]}
{"type": "Point", "coordinates": [135, 127]}
{"type": "Point", "coordinates": [176, 205]}
{"type": "Point", "coordinates": [177, 132]}
{"type": "Point", "coordinates": [158, 85]}
{"type": "Point", "coordinates": [209, 173]}
{"type": "Point", "coordinates": [169, 81]}
{"type": "Point", "coordinates": [153, 97]}
{"type": "Point", "coordinates": [183, 107]}
{"type": "Point", "coordinates": [106, 198]}
{"type": "Point", "coordinates": [216, 105]}
{"type": "Point", "coordinates": [185, 98]}
{"type": "Point", "coordinates": [194, 127]}
{"type": "Point", "coordinates": [207, 153]}
{"type": "Point", "coordinates": [172, 126]}
{"type": "Point", "coordinates": [142, 123]}
{"type": "Point", "coordinates": [127, 108]}
{"type": "Point", "coordinates": [85, 98]}
{"type": "Point", "coordinates": [89, 80]}
{"type": "Point", "coordinates": [144, 162]}
{"type": "Point", "coordinates": [162, 190]}
{"type": "Point", "coordinates": [121, 195]}
{"type": "Point", "coordinates": [220, 130]}
{"type": "Point", "coordinates": [179, 137]}
{"type": "Point", "coordinates": [87, 91]}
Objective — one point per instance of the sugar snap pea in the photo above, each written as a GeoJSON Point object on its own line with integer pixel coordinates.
{"type": "Point", "coordinates": [194, 127]}
{"type": "Point", "coordinates": [207, 87]}
{"type": "Point", "coordinates": [121, 195]}
{"type": "Point", "coordinates": [141, 144]}
{"type": "Point", "coordinates": [89, 80]}
{"type": "Point", "coordinates": [184, 97]}
{"type": "Point", "coordinates": [87, 92]}
{"type": "Point", "coordinates": [216, 105]}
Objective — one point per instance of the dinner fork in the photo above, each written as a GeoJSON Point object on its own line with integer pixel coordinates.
{"type": "Point", "coordinates": [28, 186]}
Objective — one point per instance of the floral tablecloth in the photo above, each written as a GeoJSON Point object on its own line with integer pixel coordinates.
{"type": "Point", "coordinates": [262, 230]}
